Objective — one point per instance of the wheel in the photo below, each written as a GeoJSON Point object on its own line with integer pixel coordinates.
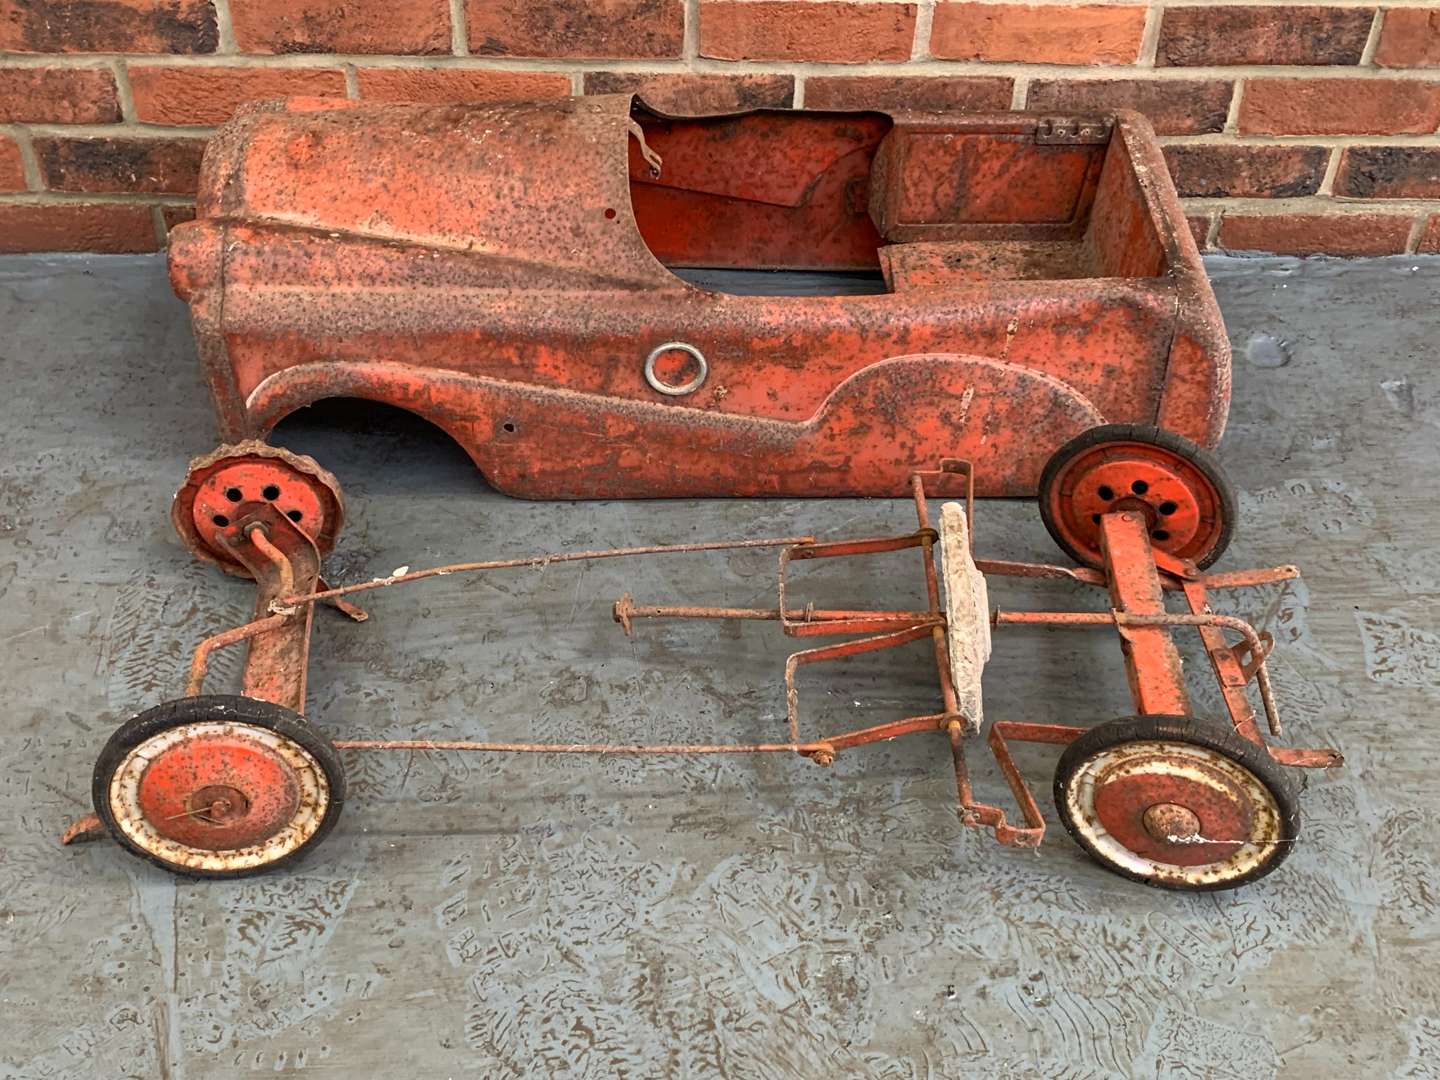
{"type": "Point", "coordinates": [218, 786]}
{"type": "Point", "coordinates": [1177, 802]}
{"type": "Point", "coordinates": [1187, 500]}
{"type": "Point", "coordinates": [219, 485]}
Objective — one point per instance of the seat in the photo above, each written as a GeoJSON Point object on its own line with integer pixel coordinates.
{"type": "Point", "coordinates": [967, 613]}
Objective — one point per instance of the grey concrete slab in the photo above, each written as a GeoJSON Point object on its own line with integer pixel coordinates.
{"type": "Point", "coordinates": [722, 918]}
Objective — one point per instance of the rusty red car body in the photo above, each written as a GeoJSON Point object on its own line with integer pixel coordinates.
{"type": "Point", "coordinates": [506, 272]}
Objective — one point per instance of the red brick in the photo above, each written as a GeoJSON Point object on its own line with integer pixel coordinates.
{"type": "Point", "coordinates": [175, 215]}
{"type": "Point", "coordinates": [1339, 107]}
{"type": "Point", "coordinates": [1174, 106]}
{"type": "Point", "coordinates": [1243, 171]}
{"type": "Point", "coordinates": [55, 95]}
{"type": "Point", "coordinates": [341, 26]}
{"type": "Point", "coordinates": [591, 29]}
{"type": "Point", "coordinates": [1409, 37]}
{"type": "Point", "coordinates": [698, 95]}
{"type": "Point", "coordinates": [1199, 228]}
{"type": "Point", "coordinates": [841, 33]}
{"type": "Point", "coordinates": [1389, 172]}
{"type": "Point", "coordinates": [1192, 36]}
{"type": "Point", "coordinates": [129, 26]}
{"type": "Point", "coordinates": [442, 86]}
{"type": "Point", "coordinates": [963, 93]}
{"type": "Point", "coordinates": [110, 227]}
{"type": "Point", "coordinates": [1430, 238]}
{"type": "Point", "coordinates": [1316, 234]}
{"type": "Point", "coordinates": [210, 95]}
{"type": "Point", "coordinates": [1084, 34]}
{"type": "Point", "coordinates": [124, 164]}
{"type": "Point", "coordinates": [12, 169]}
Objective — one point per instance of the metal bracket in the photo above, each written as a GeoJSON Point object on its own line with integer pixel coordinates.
{"type": "Point", "coordinates": [978, 815]}
{"type": "Point", "coordinates": [1248, 659]}
{"type": "Point", "coordinates": [1073, 131]}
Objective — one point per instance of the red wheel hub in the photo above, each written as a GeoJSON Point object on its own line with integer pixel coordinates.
{"type": "Point", "coordinates": [238, 484]}
{"type": "Point", "coordinates": [1182, 509]}
{"type": "Point", "coordinates": [218, 792]}
{"type": "Point", "coordinates": [221, 497]}
{"type": "Point", "coordinates": [1172, 818]}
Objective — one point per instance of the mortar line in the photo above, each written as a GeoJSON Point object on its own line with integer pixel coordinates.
{"type": "Point", "coordinates": [135, 130]}
{"type": "Point", "coordinates": [29, 163]}
{"type": "Point", "coordinates": [924, 26]}
{"type": "Point", "coordinates": [157, 220]}
{"type": "Point", "coordinates": [1232, 115]}
{"type": "Point", "coordinates": [1150, 37]}
{"type": "Point", "coordinates": [124, 93]}
{"type": "Point", "coordinates": [1219, 138]}
{"type": "Point", "coordinates": [1372, 40]}
{"type": "Point", "coordinates": [1306, 204]}
{"type": "Point", "coordinates": [41, 197]}
{"type": "Point", "coordinates": [459, 29]}
{"type": "Point", "coordinates": [1019, 91]}
{"type": "Point", "coordinates": [352, 82]}
{"type": "Point", "coordinates": [690, 41]}
{"type": "Point", "coordinates": [699, 64]}
{"type": "Point", "coordinates": [1332, 166]}
{"type": "Point", "coordinates": [1417, 230]}
{"type": "Point", "coordinates": [225, 29]}
{"type": "Point", "coordinates": [1311, 204]}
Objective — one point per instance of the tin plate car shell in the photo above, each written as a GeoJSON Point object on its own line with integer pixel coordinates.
{"type": "Point", "coordinates": [550, 283]}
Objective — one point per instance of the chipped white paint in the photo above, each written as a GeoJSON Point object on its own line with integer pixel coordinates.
{"type": "Point", "coordinates": [967, 613]}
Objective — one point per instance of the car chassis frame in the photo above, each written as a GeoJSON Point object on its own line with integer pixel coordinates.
{"type": "Point", "coordinates": [286, 566]}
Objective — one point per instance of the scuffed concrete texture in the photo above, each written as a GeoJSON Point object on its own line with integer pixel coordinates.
{"type": "Point", "coordinates": [722, 918]}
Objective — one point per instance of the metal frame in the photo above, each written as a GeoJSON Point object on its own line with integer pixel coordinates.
{"type": "Point", "coordinates": [286, 569]}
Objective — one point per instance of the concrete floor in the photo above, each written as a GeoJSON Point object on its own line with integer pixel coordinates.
{"type": "Point", "coordinates": [723, 918]}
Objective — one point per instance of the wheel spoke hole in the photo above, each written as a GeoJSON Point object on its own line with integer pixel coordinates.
{"type": "Point", "coordinates": [1106, 492]}
{"type": "Point", "coordinates": [1095, 518]}
{"type": "Point", "coordinates": [1139, 487]}
{"type": "Point", "coordinates": [1160, 534]}
{"type": "Point", "coordinates": [1167, 508]}
{"type": "Point", "coordinates": [234, 494]}
{"type": "Point", "coordinates": [271, 492]}
{"type": "Point", "coordinates": [220, 521]}
{"type": "Point", "coordinates": [294, 515]}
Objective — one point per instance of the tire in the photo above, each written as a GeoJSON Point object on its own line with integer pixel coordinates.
{"type": "Point", "coordinates": [1208, 482]}
{"type": "Point", "coordinates": [1183, 736]}
{"type": "Point", "coordinates": [245, 716]}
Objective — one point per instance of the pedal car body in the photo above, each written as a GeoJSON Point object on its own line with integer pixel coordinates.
{"type": "Point", "coordinates": [552, 283]}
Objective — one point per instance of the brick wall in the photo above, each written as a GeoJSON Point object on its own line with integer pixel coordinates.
{"type": "Point", "coordinates": [1293, 128]}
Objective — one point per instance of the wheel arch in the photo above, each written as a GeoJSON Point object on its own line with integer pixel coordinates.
{"type": "Point", "coordinates": [419, 392]}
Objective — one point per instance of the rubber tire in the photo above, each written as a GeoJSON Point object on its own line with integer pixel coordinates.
{"type": "Point", "coordinates": [217, 707]}
{"type": "Point", "coordinates": [1203, 460]}
{"type": "Point", "coordinates": [1222, 739]}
